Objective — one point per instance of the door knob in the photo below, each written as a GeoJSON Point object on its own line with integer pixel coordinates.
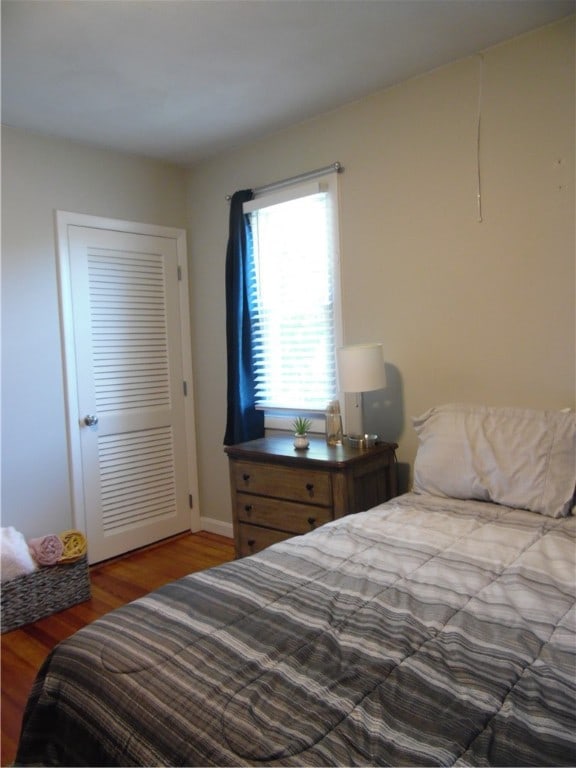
{"type": "Point", "coordinates": [90, 421]}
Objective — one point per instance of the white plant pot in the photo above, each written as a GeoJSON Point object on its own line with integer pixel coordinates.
{"type": "Point", "coordinates": [301, 442]}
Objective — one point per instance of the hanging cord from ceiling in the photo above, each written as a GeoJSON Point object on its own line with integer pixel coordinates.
{"type": "Point", "coordinates": [478, 139]}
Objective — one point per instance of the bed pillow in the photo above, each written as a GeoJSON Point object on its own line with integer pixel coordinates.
{"type": "Point", "coordinates": [513, 456]}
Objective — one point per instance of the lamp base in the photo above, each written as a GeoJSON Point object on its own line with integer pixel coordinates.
{"type": "Point", "coordinates": [362, 441]}
{"type": "Point", "coordinates": [355, 441]}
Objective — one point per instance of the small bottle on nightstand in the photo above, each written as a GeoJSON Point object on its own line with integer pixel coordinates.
{"type": "Point", "coordinates": [333, 424]}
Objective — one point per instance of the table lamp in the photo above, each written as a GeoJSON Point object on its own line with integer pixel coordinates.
{"type": "Point", "coordinates": [360, 369]}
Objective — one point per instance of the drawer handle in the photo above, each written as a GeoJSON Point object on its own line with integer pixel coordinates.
{"type": "Point", "coordinates": [310, 488]}
{"type": "Point", "coordinates": [312, 522]}
{"type": "Point", "coordinates": [248, 508]}
{"type": "Point", "coordinates": [251, 542]}
{"type": "Point", "coordinates": [245, 477]}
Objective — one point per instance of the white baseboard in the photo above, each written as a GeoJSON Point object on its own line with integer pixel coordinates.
{"type": "Point", "coordinates": [212, 525]}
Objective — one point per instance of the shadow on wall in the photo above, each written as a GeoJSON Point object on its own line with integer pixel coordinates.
{"type": "Point", "coordinates": [383, 415]}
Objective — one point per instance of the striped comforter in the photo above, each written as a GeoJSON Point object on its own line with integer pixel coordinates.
{"type": "Point", "coordinates": [424, 632]}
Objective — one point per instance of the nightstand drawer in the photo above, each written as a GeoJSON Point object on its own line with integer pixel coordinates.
{"type": "Point", "coordinates": [253, 539]}
{"type": "Point", "coordinates": [305, 485]}
{"type": "Point", "coordinates": [279, 514]}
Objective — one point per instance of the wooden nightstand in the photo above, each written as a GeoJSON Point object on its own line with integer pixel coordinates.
{"type": "Point", "coordinates": [278, 492]}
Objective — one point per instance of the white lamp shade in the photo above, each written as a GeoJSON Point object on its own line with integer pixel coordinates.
{"type": "Point", "coordinates": [361, 368]}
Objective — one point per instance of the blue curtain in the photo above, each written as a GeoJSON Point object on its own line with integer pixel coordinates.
{"type": "Point", "coordinates": [243, 421]}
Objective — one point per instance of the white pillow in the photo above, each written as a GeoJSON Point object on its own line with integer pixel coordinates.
{"type": "Point", "coordinates": [513, 456]}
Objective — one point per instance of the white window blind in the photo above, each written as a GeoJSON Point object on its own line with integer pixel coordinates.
{"type": "Point", "coordinates": [296, 324]}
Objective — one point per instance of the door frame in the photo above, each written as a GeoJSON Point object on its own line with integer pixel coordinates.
{"type": "Point", "coordinates": [63, 220]}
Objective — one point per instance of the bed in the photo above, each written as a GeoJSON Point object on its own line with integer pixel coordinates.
{"type": "Point", "coordinates": [438, 628]}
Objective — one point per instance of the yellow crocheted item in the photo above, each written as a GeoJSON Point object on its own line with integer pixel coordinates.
{"type": "Point", "coordinates": [74, 544]}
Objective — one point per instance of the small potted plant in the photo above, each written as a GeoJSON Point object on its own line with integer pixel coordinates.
{"type": "Point", "coordinates": [301, 425]}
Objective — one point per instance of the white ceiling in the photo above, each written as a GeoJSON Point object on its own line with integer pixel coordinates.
{"type": "Point", "coordinates": [183, 79]}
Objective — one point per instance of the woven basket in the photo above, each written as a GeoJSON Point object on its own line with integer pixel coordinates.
{"type": "Point", "coordinates": [45, 591]}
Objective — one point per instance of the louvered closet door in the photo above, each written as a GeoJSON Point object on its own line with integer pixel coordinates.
{"type": "Point", "coordinates": [129, 377]}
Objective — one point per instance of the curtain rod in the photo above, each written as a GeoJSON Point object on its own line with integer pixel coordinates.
{"type": "Point", "coordinates": [337, 167]}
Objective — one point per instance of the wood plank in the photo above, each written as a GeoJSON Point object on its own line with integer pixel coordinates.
{"type": "Point", "coordinates": [113, 583]}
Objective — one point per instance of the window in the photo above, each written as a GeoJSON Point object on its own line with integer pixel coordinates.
{"type": "Point", "coordinates": [296, 302]}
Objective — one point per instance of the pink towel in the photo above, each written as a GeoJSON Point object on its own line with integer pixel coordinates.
{"type": "Point", "coordinates": [46, 550]}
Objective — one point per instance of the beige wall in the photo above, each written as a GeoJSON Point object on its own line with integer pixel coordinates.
{"type": "Point", "coordinates": [479, 312]}
{"type": "Point", "coordinates": [468, 311]}
{"type": "Point", "coordinates": [40, 175]}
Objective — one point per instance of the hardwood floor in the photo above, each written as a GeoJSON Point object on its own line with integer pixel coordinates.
{"type": "Point", "coordinates": [113, 583]}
